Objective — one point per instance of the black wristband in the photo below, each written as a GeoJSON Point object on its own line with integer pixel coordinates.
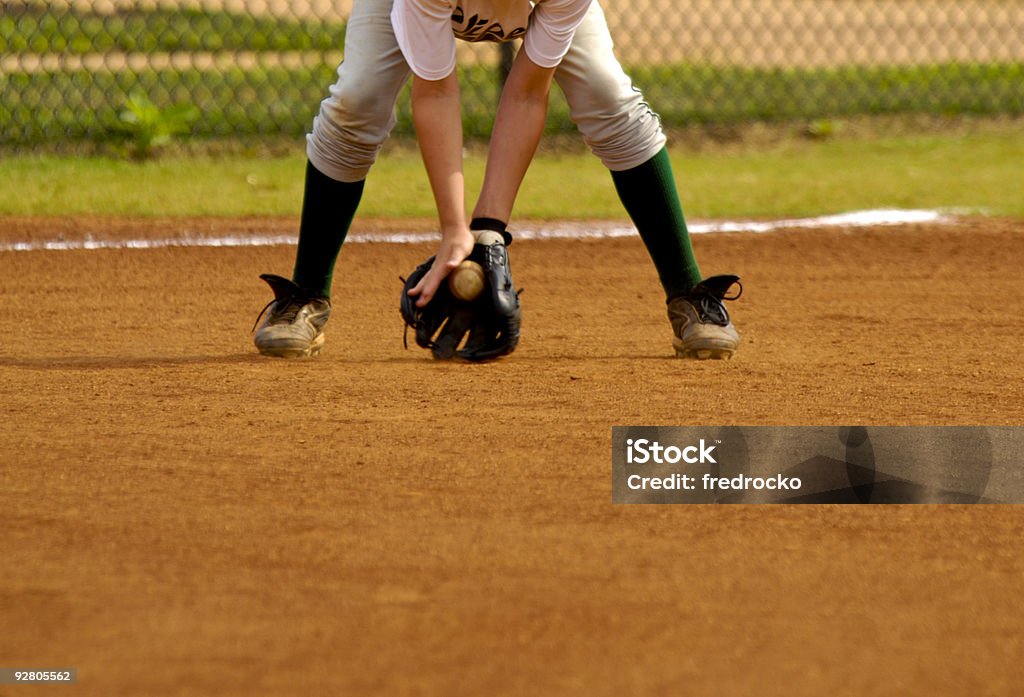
{"type": "Point", "coordinates": [494, 225]}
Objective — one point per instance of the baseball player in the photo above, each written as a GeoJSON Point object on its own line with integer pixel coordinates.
{"type": "Point", "coordinates": [562, 40]}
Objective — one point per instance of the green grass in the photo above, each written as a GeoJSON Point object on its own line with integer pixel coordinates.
{"type": "Point", "coordinates": [979, 171]}
{"type": "Point", "coordinates": [38, 28]}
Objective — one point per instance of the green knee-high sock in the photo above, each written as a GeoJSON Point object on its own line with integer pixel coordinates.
{"type": "Point", "coordinates": [649, 194]}
{"type": "Point", "coordinates": [328, 207]}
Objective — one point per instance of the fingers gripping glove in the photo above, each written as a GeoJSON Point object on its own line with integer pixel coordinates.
{"type": "Point", "coordinates": [491, 321]}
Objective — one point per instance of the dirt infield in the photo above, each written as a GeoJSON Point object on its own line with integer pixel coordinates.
{"type": "Point", "coordinates": [183, 517]}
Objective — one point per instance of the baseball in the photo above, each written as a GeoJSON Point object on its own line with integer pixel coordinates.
{"type": "Point", "coordinates": [467, 280]}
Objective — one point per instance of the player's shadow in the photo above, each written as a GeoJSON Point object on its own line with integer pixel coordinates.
{"type": "Point", "coordinates": [127, 362]}
{"type": "Point", "coordinates": [411, 356]}
{"type": "Point", "coordinates": [118, 362]}
{"type": "Point", "coordinates": [606, 358]}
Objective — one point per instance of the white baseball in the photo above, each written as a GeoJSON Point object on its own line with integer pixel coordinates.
{"type": "Point", "coordinates": [467, 280]}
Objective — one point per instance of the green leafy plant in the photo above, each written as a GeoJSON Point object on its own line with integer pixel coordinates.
{"type": "Point", "coordinates": [149, 126]}
{"type": "Point", "coordinates": [821, 129]}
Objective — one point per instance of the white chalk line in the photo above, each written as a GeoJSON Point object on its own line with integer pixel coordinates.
{"type": "Point", "coordinates": [575, 230]}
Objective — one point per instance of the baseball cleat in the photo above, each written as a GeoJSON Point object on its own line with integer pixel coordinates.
{"type": "Point", "coordinates": [295, 319]}
{"type": "Point", "coordinates": [701, 323]}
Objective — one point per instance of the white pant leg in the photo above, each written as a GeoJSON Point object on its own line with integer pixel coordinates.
{"type": "Point", "coordinates": [616, 122]}
{"type": "Point", "coordinates": [357, 117]}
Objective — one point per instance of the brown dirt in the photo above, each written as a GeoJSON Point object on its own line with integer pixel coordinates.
{"type": "Point", "coordinates": [182, 517]}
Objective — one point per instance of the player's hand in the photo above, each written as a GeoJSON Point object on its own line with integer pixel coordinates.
{"type": "Point", "coordinates": [454, 248]}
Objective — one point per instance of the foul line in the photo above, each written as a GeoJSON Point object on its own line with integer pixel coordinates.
{"type": "Point", "coordinates": [577, 230]}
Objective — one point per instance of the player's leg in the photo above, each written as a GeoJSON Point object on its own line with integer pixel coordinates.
{"type": "Point", "coordinates": [626, 134]}
{"type": "Point", "coordinates": [354, 121]}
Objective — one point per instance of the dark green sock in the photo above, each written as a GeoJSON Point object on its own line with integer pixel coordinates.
{"type": "Point", "coordinates": [328, 207]}
{"type": "Point", "coordinates": [649, 194]}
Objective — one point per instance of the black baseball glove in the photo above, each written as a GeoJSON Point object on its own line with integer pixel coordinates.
{"type": "Point", "coordinates": [491, 320]}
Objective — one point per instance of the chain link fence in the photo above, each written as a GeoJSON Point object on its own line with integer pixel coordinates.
{"type": "Point", "coordinates": [92, 70]}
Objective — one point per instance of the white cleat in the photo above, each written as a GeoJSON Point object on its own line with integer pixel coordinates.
{"type": "Point", "coordinates": [701, 323]}
{"type": "Point", "coordinates": [294, 322]}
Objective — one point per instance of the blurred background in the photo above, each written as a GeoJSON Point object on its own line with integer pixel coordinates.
{"type": "Point", "coordinates": [74, 72]}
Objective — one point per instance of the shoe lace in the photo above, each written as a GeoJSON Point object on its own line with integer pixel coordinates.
{"type": "Point", "coordinates": [288, 309]}
{"type": "Point", "coordinates": [711, 310]}
{"type": "Point", "coordinates": [710, 307]}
